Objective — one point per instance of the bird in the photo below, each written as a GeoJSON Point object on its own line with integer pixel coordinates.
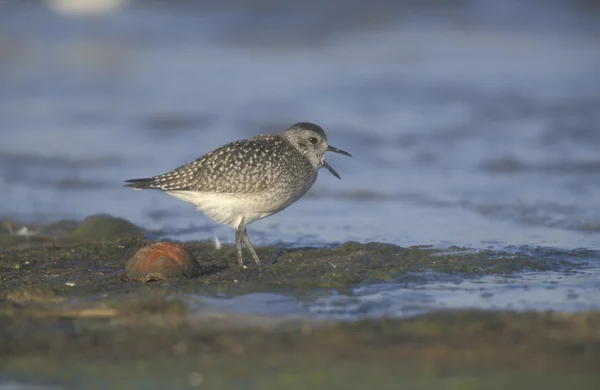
{"type": "Point", "coordinates": [250, 179]}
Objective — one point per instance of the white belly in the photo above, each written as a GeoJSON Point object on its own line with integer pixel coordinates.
{"type": "Point", "coordinates": [228, 209]}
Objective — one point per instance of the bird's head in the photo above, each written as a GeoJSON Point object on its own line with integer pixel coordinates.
{"type": "Point", "coordinates": [310, 140]}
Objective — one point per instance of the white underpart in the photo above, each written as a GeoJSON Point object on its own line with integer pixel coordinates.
{"type": "Point", "coordinates": [228, 209]}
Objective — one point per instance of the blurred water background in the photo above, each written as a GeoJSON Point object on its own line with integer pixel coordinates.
{"type": "Point", "coordinates": [472, 123]}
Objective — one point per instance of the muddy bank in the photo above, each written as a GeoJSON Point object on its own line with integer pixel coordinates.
{"type": "Point", "coordinates": [67, 261]}
{"type": "Point", "coordinates": [71, 267]}
{"type": "Point", "coordinates": [70, 316]}
{"type": "Point", "coordinates": [163, 346]}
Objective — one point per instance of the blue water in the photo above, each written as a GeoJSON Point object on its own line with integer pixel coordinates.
{"type": "Point", "coordinates": [566, 291]}
{"type": "Point", "coordinates": [475, 124]}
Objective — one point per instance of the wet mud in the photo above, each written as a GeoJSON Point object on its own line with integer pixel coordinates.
{"type": "Point", "coordinates": [71, 317]}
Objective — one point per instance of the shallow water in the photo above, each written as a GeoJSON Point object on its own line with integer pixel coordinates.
{"type": "Point", "coordinates": [465, 129]}
{"type": "Point", "coordinates": [474, 125]}
{"type": "Point", "coordinates": [567, 291]}
{"type": "Point", "coordinates": [537, 291]}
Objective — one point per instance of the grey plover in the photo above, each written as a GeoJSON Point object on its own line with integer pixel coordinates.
{"type": "Point", "coordinates": [250, 179]}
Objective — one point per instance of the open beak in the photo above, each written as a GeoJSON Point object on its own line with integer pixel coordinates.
{"type": "Point", "coordinates": [333, 172]}
{"type": "Point", "coordinates": [329, 168]}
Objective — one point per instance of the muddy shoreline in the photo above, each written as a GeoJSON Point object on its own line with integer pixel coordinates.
{"type": "Point", "coordinates": [71, 317]}
{"type": "Point", "coordinates": [154, 349]}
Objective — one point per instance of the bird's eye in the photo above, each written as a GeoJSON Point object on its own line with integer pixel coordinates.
{"type": "Point", "coordinates": [313, 140]}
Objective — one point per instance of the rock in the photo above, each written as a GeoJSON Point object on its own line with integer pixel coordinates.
{"type": "Point", "coordinates": [60, 228]}
{"type": "Point", "coordinates": [106, 228]}
{"type": "Point", "coordinates": [161, 261]}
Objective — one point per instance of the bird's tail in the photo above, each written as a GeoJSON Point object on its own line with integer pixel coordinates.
{"type": "Point", "coordinates": [140, 184]}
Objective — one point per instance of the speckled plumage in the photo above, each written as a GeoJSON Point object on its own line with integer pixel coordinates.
{"type": "Point", "coordinates": [246, 166]}
{"type": "Point", "coordinates": [250, 179]}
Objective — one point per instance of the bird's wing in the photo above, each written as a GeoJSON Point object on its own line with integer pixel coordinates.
{"type": "Point", "coordinates": [247, 166]}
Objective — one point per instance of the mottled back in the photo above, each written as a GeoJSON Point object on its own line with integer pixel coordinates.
{"type": "Point", "coordinates": [258, 161]}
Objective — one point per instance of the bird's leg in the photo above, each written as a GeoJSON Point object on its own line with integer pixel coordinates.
{"type": "Point", "coordinates": [250, 247]}
{"type": "Point", "coordinates": [238, 243]}
{"type": "Point", "coordinates": [242, 231]}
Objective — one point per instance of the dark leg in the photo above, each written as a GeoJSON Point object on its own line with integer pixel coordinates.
{"type": "Point", "coordinates": [242, 231]}
{"type": "Point", "coordinates": [238, 243]}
